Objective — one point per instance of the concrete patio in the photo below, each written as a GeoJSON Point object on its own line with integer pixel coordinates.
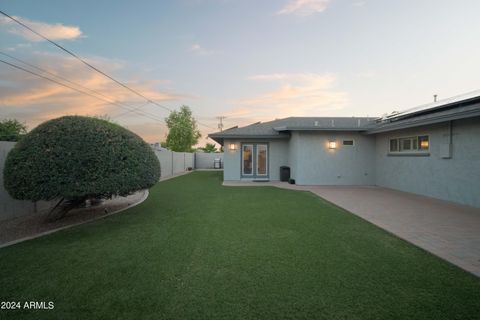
{"type": "Point", "coordinates": [448, 230]}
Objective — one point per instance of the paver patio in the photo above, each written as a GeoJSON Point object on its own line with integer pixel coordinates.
{"type": "Point", "coordinates": [448, 230]}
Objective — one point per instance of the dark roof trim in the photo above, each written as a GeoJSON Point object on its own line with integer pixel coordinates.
{"type": "Point", "coordinates": [220, 138]}
{"type": "Point", "coordinates": [252, 136]}
{"type": "Point", "coordinates": [280, 129]}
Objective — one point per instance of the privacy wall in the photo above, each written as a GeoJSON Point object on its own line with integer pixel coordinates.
{"type": "Point", "coordinates": [172, 163]}
{"type": "Point", "coordinates": [205, 160]}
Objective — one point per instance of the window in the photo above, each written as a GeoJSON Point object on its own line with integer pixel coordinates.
{"type": "Point", "coordinates": [348, 142]}
{"type": "Point", "coordinates": [409, 144]}
{"type": "Point", "coordinates": [423, 143]}
{"type": "Point", "coordinates": [406, 144]}
{"type": "Point", "coordinates": [247, 167]}
{"type": "Point", "coordinates": [393, 145]}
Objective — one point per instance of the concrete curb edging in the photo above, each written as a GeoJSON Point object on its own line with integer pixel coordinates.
{"type": "Point", "coordinates": [175, 175]}
{"type": "Point", "coordinates": [7, 244]}
{"type": "Point", "coordinates": [38, 235]}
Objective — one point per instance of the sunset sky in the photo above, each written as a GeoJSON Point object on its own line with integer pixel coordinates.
{"type": "Point", "coordinates": [247, 60]}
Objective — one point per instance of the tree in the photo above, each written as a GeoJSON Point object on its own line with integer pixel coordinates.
{"type": "Point", "coordinates": [12, 130]}
{"type": "Point", "coordinates": [209, 148]}
{"type": "Point", "coordinates": [75, 158]}
{"type": "Point", "coordinates": [183, 132]}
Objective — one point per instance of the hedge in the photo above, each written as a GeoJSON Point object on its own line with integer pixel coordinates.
{"type": "Point", "coordinates": [79, 157]}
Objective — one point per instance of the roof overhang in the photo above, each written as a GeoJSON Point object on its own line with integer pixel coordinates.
{"type": "Point", "coordinates": [219, 138]}
{"type": "Point", "coordinates": [317, 128]}
{"type": "Point", "coordinates": [433, 118]}
{"type": "Point", "coordinates": [460, 100]}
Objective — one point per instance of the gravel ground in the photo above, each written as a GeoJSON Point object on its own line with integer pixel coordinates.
{"type": "Point", "coordinates": [34, 224]}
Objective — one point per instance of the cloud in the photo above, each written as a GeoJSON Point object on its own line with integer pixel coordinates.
{"type": "Point", "coordinates": [35, 100]}
{"type": "Point", "coordinates": [198, 49]}
{"type": "Point", "coordinates": [56, 31]}
{"type": "Point", "coordinates": [359, 3]}
{"type": "Point", "coordinates": [297, 94]}
{"type": "Point", "coordinates": [304, 7]}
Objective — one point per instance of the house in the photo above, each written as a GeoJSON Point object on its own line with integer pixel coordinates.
{"type": "Point", "coordinates": [431, 150]}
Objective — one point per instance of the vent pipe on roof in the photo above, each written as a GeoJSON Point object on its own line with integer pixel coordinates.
{"type": "Point", "coordinates": [435, 98]}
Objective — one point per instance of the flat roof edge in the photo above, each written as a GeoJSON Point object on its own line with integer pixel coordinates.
{"type": "Point", "coordinates": [408, 123]}
{"type": "Point", "coordinates": [320, 129]}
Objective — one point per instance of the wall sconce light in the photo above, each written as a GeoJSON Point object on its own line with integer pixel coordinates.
{"type": "Point", "coordinates": [232, 146]}
{"type": "Point", "coordinates": [424, 144]}
{"type": "Point", "coordinates": [332, 145]}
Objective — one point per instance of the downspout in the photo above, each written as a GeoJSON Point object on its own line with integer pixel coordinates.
{"type": "Point", "coordinates": [450, 139]}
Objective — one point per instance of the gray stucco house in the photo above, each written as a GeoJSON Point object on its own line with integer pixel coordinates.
{"type": "Point", "coordinates": [431, 150]}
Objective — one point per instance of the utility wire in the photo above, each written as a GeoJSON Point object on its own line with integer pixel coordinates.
{"type": "Point", "coordinates": [142, 113]}
{"type": "Point", "coordinates": [73, 83]}
{"type": "Point", "coordinates": [78, 90]}
{"type": "Point", "coordinates": [91, 66]}
{"type": "Point", "coordinates": [83, 61]}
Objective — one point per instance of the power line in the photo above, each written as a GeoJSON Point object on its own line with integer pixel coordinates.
{"type": "Point", "coordinates": [77, 90]}
{"type": "Point", "coordinates": [73, 83]}
{"type": "Point", "coordinates": [91, 66]}
{"type": "Point", "coordinates": [142, 113]}
{"type": "Point", "coordinates": [83, 61]}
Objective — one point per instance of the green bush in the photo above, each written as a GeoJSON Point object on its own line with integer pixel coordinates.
{"type": "Point", "coordinates": [12, 130]}
{"type": "Point", "coordinates": [76, 157]}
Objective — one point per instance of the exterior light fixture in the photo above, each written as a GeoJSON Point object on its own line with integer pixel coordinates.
{"type": "Point", "coordinates": [232, 146]}
{"type": "Point", "coordinates": [424, 144]}
{"type": "Point", "coordinates": [332, 145]}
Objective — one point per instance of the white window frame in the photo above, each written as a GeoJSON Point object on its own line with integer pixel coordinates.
{"type": "Point", "coordinates": [414, 141]}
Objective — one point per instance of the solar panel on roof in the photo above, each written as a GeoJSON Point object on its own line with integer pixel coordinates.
{"type": "Point", "coordinates": [433, 105]}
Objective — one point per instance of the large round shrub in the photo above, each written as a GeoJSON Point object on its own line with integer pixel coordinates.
{"type": "Point", "coordinates": [76, 157]}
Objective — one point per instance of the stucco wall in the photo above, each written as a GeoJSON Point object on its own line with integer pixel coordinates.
{"type": "Point", "coordinates": [204, 160]}
{"type": "Point", "coordinates": [456, 179]}
{"type": "Point", "coordinates": [313, 163]}
{"type": "Point", "coordinates": [277, 156]}
{"type": "Point", "coordinates": [172, 163]}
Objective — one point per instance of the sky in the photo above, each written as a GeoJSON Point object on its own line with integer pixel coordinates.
{"type": "Point", "coordinates": [246, 60]}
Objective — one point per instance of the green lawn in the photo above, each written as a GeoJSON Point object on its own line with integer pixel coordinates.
{"type": "Point", "coordinates": [197, 250]}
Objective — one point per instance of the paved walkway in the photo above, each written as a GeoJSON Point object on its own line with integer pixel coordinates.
{"type": "Point", "coordinates": [446, 229]}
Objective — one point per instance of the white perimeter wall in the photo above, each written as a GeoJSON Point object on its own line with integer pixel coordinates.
{"type": "Point", "coordinates": [172, 163]}
{"type": "Point", "coordinates": [205, 160]}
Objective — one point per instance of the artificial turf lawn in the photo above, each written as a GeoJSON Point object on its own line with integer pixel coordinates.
{"type": "Point", "coordinates": [197, 250]}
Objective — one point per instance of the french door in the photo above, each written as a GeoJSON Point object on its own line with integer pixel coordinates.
{"type": "Point", "coordinates": [255, 160]}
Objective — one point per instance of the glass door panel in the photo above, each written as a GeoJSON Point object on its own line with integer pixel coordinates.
{"type": "Point", "coordinates": [247, 159]}
{"type": "Point", "coordinates": [262, 161]}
